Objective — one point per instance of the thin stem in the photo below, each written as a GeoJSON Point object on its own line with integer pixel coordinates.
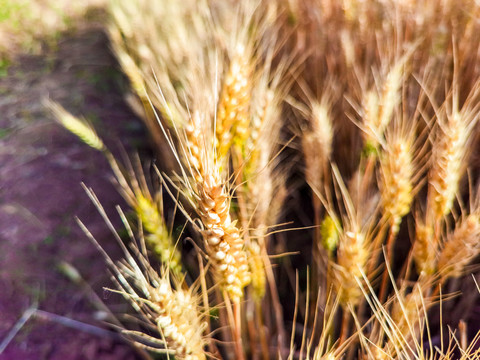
{"type": "Point", "coordinates": [388, 258]}
{"type": "Point", "coordinates": [237, 330]}
{"type": "Point", "coordinates": [377, 245]}
{"type": "Point", "coordinates": [263, 338]}
{"type": "Point", "coordinates": [367, 176]}
{"type": "Point", "coordinates": [277, 307]}
{"type": "Point", "coordinates": [319, 262]}
{"type": "Point", "coordinates": [344, 327]}
{"type": "Point", "coordinates": [252, 329]}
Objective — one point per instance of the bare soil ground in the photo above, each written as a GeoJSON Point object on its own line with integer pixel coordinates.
{"type": "Point", "coordinates": [41, 168]}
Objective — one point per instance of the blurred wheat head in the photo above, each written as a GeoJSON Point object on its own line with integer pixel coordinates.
{"type": "Point", "coordinates": [372, 104]}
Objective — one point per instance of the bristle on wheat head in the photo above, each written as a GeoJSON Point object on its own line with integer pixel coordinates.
{"type": "Point", "coordinates": [408, 314]}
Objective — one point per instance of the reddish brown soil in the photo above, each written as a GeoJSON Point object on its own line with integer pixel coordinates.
{"type": "Point", "coordinates": [41, 168]}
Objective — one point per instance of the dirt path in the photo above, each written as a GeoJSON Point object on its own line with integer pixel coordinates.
{"type": "Point", "coordinates": [41, 168]}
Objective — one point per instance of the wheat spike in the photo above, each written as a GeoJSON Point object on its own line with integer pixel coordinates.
{"type": "Point", "coordinates": [424, 249]}
{"type": "Point", "coordinates": [79, 127]}
{"type": "Point", "coordinates": [370, 117]}
{"type": "Point", "coordinates": [263, 195]}
{"type": "Point", "coordinates": [352, 256]}
{"type": "Point", "coordinates": [194, 145]}
{"type": "Point", "coordinates": [257, 142]}
{"type": "Point", "coordinates": [449, 151]}
{"type": "Point", "coordinates": [233, 108]}
{"type": "Point", "coordinates": [259, 176]}
{"type": "Point", "coordinates": [131, 69]}
{"type": "Point", "coordinates": [158, 239]}
{"type": "Point", "coordinates": [163, 302]}
{"type": "Point", "coordinates": [177, 320]}
{"type": "Point", "coordinates": [329, 232]}
{"type": "Point", "coordinates": [390, 95]}
{"type": "Point", "coordinates": [378, 110]}
{"type": "Point", "coordinates": [222, 237]}
{"type": "Point", "coordinates": [460, 248]}
{"type": "Point", "coordinates": [395, 183]}
{"type": "Point", "coordinates": [174, 312]}
{"type": "Point", "coordinates": [134, 189]}
{"type": "Point", "coordinates": [317, 144]}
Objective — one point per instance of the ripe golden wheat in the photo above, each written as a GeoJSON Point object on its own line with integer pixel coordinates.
{"type": "Point", "coordinates": [372, 104]}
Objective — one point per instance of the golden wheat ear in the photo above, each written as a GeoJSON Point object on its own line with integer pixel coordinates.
{"type": "Point", "coordinates": [354, 246]}
{"type": "Point", "coordinates": [233, 116]}
{"type": "Point", "coordinates": [396, 179]}
{"type": "Point", "coordinates": [379, 108]}
{"type": "Point", "coordinates": [450, 151]}
{"type": "Point", "coordinates": [460, 247]}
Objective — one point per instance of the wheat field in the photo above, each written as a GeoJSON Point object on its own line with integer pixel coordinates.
{"type": "Point", "coordinates": [322, 162]}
